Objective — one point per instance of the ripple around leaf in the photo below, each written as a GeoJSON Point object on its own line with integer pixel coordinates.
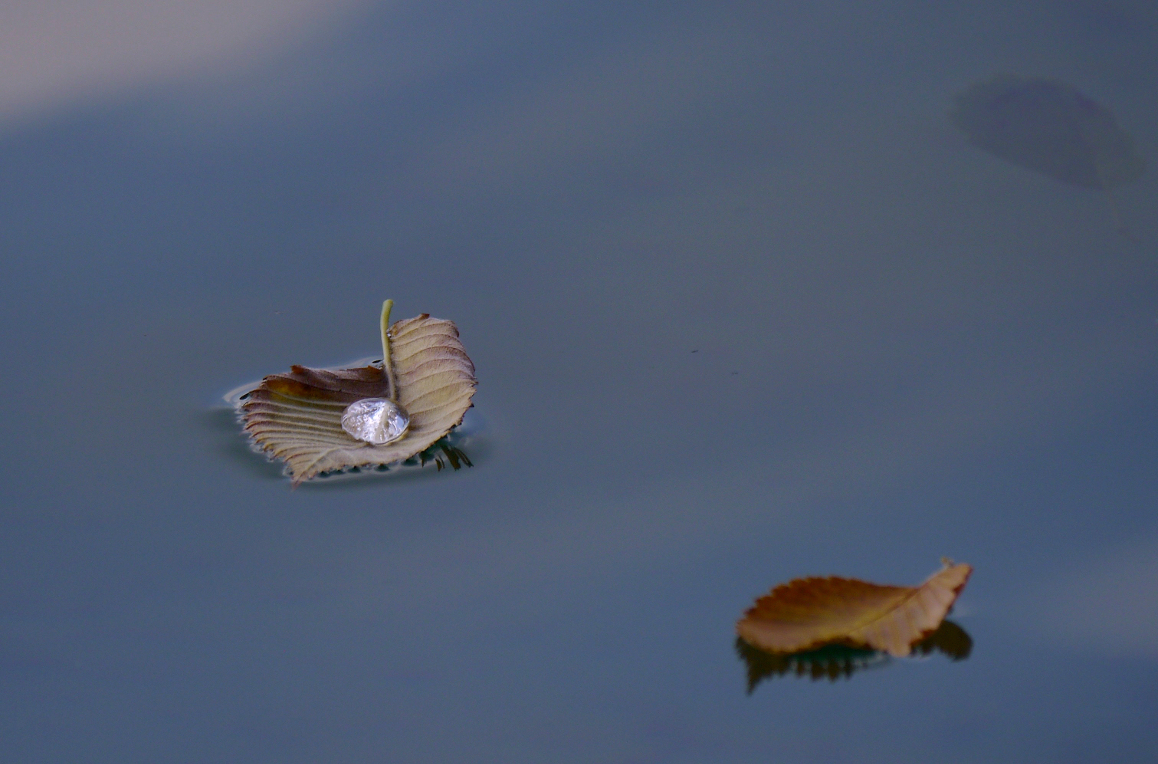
{"type": "Point", "coordinates": [297, 417]}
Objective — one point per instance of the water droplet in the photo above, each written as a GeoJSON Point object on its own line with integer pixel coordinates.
{"type": "Point", "coordinates": [375, 420]}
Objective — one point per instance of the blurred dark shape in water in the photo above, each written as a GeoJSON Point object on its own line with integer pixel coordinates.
{"type": "Point", "coordinates": [1050, 127]}
{"type": "Point", "coordinates": [454, 455]}
{"type": "Point", "coordinates": [834, 662]}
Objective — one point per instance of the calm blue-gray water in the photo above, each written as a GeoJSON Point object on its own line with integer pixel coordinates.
{"type": "Point", "coordinates": [744, 305]}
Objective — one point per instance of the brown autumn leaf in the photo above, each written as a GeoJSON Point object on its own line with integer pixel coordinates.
{"type": "Point", "coordinates": [298, 417]}
{"type": "Point", "coordinates": [808, 613]}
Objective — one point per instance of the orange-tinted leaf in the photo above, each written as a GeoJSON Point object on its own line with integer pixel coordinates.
{"type": "Point", "coordinates": [808, 613]}
{"type": "Point", "coordinates": [297, 417]}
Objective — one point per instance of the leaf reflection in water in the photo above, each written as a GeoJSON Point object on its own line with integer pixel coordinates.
{"type": "Point", "coordinates": [834, 662]}
{"type": "Point", "coordinates": [449, 451]}
{"type": "Point", "coordinates": [445, 452]}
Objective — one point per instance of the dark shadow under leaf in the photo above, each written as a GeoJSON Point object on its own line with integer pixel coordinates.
{"type": "Point", "coordinates": [833, 662]}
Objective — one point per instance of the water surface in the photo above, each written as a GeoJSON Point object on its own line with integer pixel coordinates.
{"type": "Point", "coordinates": [744, 306]}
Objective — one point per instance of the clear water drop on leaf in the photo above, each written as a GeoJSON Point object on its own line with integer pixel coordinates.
{"type": "Point", "coordinates": [298, 416]}
{"type": "Point", "coordinates": [375, 420]}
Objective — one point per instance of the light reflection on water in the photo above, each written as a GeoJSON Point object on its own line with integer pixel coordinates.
{"type": "Point", "coordinates": [903, 348]}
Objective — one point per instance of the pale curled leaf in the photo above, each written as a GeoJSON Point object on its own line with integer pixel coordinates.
{"type": "Point", "coordinates": [297, 417]}
{"type": "Point", "coordinates": [808, 613]}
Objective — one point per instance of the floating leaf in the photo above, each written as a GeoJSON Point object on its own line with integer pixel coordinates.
{"type": "Point", "coordinates": [1049, 127]}
{"type": "Point", "coordinates": [425, 373]}
{"type": "Point", "coordinates": [834, 662]}
{"type": "Point", "coordinates": [809, 613]}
